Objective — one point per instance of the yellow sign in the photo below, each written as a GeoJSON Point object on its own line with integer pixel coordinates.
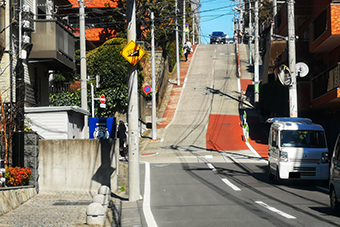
{"type": "Point", "coordinates": [132, 52]}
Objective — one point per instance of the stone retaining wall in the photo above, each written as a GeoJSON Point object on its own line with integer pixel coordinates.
{"type": "Point", "coordinates": [14, 197]}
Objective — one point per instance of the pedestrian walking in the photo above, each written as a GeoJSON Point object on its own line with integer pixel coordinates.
{"type": "Point", "coordinates": [122, 139]}
{"type": "Point", "coordinates": [187, 48]}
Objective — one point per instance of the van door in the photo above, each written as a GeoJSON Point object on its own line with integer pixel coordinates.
{"type": "Point", "coordinates": [274, 152]}
{"type": "Point", "coordinates": [335, 168]}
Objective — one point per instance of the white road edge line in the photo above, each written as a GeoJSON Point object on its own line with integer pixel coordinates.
{"type": "Point", "coordinates": [150, 220]}
{"type": "Point", "coordinates": [234, 187]}
{"type": "Point", "coordinates": [211, 166]}
{"type": "Point", "coordinates": [273, 209]}
{"type": "Point", "coordinates": [252, 149]}
{"type": "Point", "coordinates": [185, 82]}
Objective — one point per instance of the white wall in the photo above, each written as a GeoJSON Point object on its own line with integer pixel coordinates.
{"type": "Point", "coordinates": [62, 122]}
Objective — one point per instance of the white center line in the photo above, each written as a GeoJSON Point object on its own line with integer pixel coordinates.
{"type": "Point", "coordinates": [225, 180]}
{"type": "Point", "coordinates": [275, 210]}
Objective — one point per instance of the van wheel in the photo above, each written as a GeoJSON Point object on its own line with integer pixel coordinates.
{"type": "Point", "coordinates": [277, 175]}
{"type": "Point", "coordinates": [270, 174]}
{"type": "Point", "coordinates": [334, 202]}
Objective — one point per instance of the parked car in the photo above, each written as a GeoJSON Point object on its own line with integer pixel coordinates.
{"type": "Point", "coordinates": [217, 37]}
{"type": "Point", "coordinates": [297, 150]}
{"type": "Point", "coordinates": [334, 179]}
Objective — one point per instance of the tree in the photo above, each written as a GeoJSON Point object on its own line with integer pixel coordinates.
{"type": "Point", "coordinates": [163, 11]}
{"type": "Point", "coordinates": [106, 62]}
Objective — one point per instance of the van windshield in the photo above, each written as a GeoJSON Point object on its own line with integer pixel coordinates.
{"type": "Point", "coordinates": [303, 138]}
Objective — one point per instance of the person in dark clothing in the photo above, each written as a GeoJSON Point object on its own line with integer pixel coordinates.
{"type": "Point", "coordinates": [122, 138]}
{"type": "Point", "coordinates": [186, 50]}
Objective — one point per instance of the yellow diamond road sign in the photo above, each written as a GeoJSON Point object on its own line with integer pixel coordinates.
{"type": "Point", "coordinates": [132, 52]}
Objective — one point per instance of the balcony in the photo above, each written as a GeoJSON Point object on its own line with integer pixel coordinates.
{"type": "Point", "coordinates": [326, 89]}
{"type": "Point", "coordinates": [53, 45]}
{"type": "Point", "coordinates": [325, 30]}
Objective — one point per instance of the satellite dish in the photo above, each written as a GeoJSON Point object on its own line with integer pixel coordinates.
{"type": "Point", "coordinates": [302, 69]}
{"type": "Point", "coordinates": [284, 75]}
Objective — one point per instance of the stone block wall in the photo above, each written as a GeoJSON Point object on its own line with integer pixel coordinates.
{"type": "Point", "coordinates": [14, 197]}
{"type": "Point", "coordinates": [31, 156]}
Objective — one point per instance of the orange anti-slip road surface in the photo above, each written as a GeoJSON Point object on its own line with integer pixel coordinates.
{"type": "Point", "coordinates": [225, 133]}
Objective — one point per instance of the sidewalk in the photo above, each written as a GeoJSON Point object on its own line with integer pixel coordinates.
{"type": "Point", "coordinates": [50, 209]}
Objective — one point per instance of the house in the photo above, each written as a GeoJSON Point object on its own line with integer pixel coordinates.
{"type": "Point", "coordinates": [47, 45]}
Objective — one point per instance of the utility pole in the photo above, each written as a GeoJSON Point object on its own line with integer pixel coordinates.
{"type": "Point", "coordinates": [240, 20]}
{"type": "Point", "coordinates": [134, 185]}
{"type": "Point", "coordinates": [292, 59]}
{"type": "Point", "coordinates": [177, 47]}
{"type": "Point", "coordinates": [83, 84]}
{"type": "Point", "coordinates": [153, 78]}
{"type": "Point", "coordinates": [274, 11]}
{"type": "Point", "coordinates": [183, 41]}
{"type": "Point", "coordinates": [18, 137]}
{"type": "Point", "coordinates": [193, 29]}
{"type": "Point", "coordinates": [274, 4]}
{"type": "Point", "coordinates": [256, 49]}
{"type": "Point", "coordinates": [250, 36]}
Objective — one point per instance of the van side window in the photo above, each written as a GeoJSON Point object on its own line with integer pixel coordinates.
{"type": "Point", "coordinates": [274, 138]}
{"type": "Point", "coordinates": [336, 150]}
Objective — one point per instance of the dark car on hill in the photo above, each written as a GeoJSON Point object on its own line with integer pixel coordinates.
{"type": "Point", "coordinates": [217, 37]}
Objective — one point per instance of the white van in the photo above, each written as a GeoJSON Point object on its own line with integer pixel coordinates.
{"type": "Point", "coordinates": [297, 150]}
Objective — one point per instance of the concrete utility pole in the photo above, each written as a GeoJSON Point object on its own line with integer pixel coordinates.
{"type": "Point", "coordinates": [183, 41]}
{"type": "Point", "coordinates": [256, 60]}
{"type": "Point", "coordinates": [250, 36]}
{"type": "Point", "coordinates": [193, 29]}
{"type": "Point", "coordinates": [292, 59]}
{"type": "Point", "coordinates": [153, 78]}
{"type": "Point", "coordinates": [274, 4]}
{"type": "Point", "coordinates": [18, 137]}
{"type": "Point", "coordinates": [240, 20]}
{"type": "Point", "coordinates": [83, 84]}
{"type": "Point", "coordinates": [177, 47]}
{"type": "Point", "coordinates": [134, 187]}
{"type": "Point", "coordinates": [274, 9]}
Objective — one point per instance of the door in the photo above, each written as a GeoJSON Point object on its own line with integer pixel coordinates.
{"type": "Point", "coordinates": [335, 166]}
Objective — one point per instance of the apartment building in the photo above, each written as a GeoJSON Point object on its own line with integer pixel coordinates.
{"type": "Point", "coordinates": [317, 30]}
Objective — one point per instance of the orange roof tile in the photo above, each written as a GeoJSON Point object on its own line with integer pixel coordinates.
{"type": "Point", "coordinates": [94, 3]}
{"type": "Point", "coordinates": [97, 34]}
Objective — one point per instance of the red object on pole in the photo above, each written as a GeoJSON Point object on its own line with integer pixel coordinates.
{"type": "Point", "coordinates": [102, 99]}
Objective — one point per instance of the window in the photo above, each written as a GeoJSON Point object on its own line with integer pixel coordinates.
{"type": "Point", "coordinates": [303, 138]}
{"type": "Point", "coordinates": [319, 25]}
{"type": "Point", "coordinates": [336, 150]}
{"type": "Point", "coordinates": [274, 138]}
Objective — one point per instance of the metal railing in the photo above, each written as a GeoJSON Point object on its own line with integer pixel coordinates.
{"type": "Point", "coordinates": [325, 82]}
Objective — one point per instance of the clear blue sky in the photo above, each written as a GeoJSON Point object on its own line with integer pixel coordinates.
{"type": "Point", "coordinates": [216, 15]}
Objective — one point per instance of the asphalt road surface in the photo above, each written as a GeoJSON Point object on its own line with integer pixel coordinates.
{"type": "Point", "coordinates": [201, 172]}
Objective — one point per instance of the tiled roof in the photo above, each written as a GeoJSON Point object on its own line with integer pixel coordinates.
{"type": "Point", "coordinates": [94, 3]}
{"type": "Point", "coordinates": [97, 34]}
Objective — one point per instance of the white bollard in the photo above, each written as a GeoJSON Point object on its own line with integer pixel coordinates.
{"type": "Point", "coordinates": [102, 199]}
{"type": "Point", "coordinates": [105, 190]}
{"type": "Point", "coordinates": [95, 214]}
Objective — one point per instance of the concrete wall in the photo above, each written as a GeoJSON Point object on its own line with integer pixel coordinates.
{"type": "Point", "coordinates": [77, 165]}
